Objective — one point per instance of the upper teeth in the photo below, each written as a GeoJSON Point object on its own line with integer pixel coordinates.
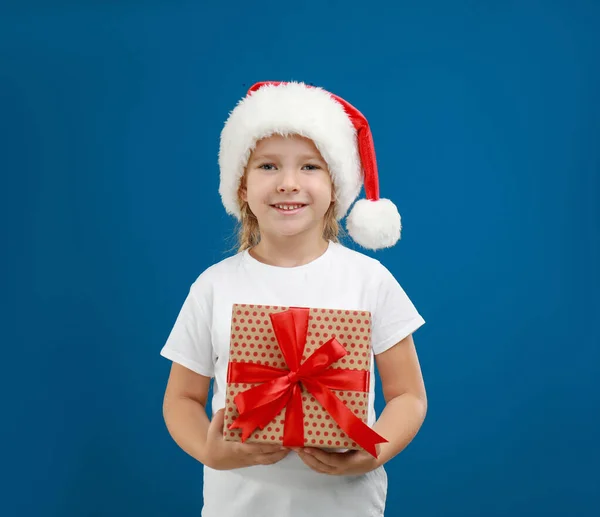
{"type": "Point", "coordinates": [288, 207]}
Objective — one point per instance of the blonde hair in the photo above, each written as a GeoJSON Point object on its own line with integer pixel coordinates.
{"type": "Point", "coordinates": [249, 232]}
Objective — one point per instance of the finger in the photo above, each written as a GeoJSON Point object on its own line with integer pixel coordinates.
{"type": "Point", "coordinates": [219, 416]}
{"type": "Point", "coordinates": [262, 448]}
{"type": "Point", "coordinates": [331, 459]}
{"type": "Point", "coordinates": [281, 452]}
{"type": "Point", "coordinates": [269, 459]}
{"type": "Point", "coordinates": [315, 464]}
{"type": "Point", "coordinates": [218, 421]}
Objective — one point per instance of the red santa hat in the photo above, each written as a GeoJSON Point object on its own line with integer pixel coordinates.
{"type": "Point", "coordinates": [341, 134]}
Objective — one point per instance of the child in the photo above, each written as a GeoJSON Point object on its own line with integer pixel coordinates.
{"type": "Point", "coordinates": [292, 159]}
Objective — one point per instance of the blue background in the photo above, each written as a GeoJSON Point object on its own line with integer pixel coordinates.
{"type": "Point", "coordinates": [487, 128]}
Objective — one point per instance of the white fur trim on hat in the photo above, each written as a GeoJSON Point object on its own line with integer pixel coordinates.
{"type": "Point", "coordinates": [291, 108]}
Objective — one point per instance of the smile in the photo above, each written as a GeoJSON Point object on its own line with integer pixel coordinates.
{"type": "Point", "coordinates": [288, 209]}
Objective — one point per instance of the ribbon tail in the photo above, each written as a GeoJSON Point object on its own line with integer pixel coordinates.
{"type": "Point", "coordinates": [259, 417]}
{"type": "Point", "coordinates": [353, 426]}
{"type": "Point", "coordinates": [293, 431]}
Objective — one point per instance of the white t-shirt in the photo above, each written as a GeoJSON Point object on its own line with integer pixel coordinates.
{"type": "Point", "coordinates": [339, 279]}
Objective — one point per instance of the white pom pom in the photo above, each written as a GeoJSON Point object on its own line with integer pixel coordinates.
{"type": "Point", "coordinates": [374, 224]}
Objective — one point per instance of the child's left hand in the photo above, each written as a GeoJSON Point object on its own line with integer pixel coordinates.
{"type": "Point", "coordinates": [349, 463]}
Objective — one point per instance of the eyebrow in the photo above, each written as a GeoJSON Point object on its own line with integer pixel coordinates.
{"type": "Point", "coordinates": [302, 157]}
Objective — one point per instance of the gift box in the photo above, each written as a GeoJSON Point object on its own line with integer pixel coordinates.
{"type": "Point", "coordinates": [299, 377]}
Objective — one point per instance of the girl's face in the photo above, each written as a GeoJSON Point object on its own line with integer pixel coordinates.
{"type": "Point", "coordinates": [288, 187]}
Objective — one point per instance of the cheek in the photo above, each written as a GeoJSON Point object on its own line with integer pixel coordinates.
{"type": "Point", "coordinates": [324, 189]}
{"type": "Point", "coordinates": [256, 193]}
{"type": "Point", "coordinates": [326, 184]}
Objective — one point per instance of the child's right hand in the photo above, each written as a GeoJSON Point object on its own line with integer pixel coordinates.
{"type": "Point", "coordinates": [221, 454]}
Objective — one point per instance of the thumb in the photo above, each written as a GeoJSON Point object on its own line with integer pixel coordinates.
{"type": "Point", "coordinates": [218, 421]}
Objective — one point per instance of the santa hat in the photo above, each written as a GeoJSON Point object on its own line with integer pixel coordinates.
{"type": "Point", "coordinates": [340, 133]}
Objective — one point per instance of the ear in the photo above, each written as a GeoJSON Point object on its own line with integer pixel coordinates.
{"type": "Point", "coordinates": [242, 189]}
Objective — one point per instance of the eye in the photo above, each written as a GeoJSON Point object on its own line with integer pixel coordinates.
{"type": "Point", "coordinates": [310, 167]}
{"type": "Point", "coordinates": [267, 166]}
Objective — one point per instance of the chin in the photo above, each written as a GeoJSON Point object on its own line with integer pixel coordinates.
{"type": "Point", "coordinates": [288, 230]}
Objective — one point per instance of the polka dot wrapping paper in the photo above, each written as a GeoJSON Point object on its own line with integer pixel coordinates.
{"type": "Point", "coordinates": [253, 341]}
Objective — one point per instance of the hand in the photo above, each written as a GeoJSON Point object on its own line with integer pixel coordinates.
{"type": "Point", "coordinates": [220, 454]}
{"type": "Point", "coordinates": [349, 463]}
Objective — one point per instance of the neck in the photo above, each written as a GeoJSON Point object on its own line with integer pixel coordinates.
{"type": "Point", "coordinates": [288, 251]}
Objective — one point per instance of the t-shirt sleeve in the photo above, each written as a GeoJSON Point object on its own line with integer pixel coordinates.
{"type": "Point", "coordinates": [395, 317]}
{"type": "Point", "coordinates": [189, 342]}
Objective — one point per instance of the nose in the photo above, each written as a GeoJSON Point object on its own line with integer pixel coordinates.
{"type": "Point", "coordinates": [288, 182]}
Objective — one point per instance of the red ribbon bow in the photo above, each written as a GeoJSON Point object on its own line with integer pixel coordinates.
{"type": "Point", "coordinates": [280, 388]}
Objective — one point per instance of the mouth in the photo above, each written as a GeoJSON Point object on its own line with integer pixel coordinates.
{"type": "Point", "coordinates": [288, 208]}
